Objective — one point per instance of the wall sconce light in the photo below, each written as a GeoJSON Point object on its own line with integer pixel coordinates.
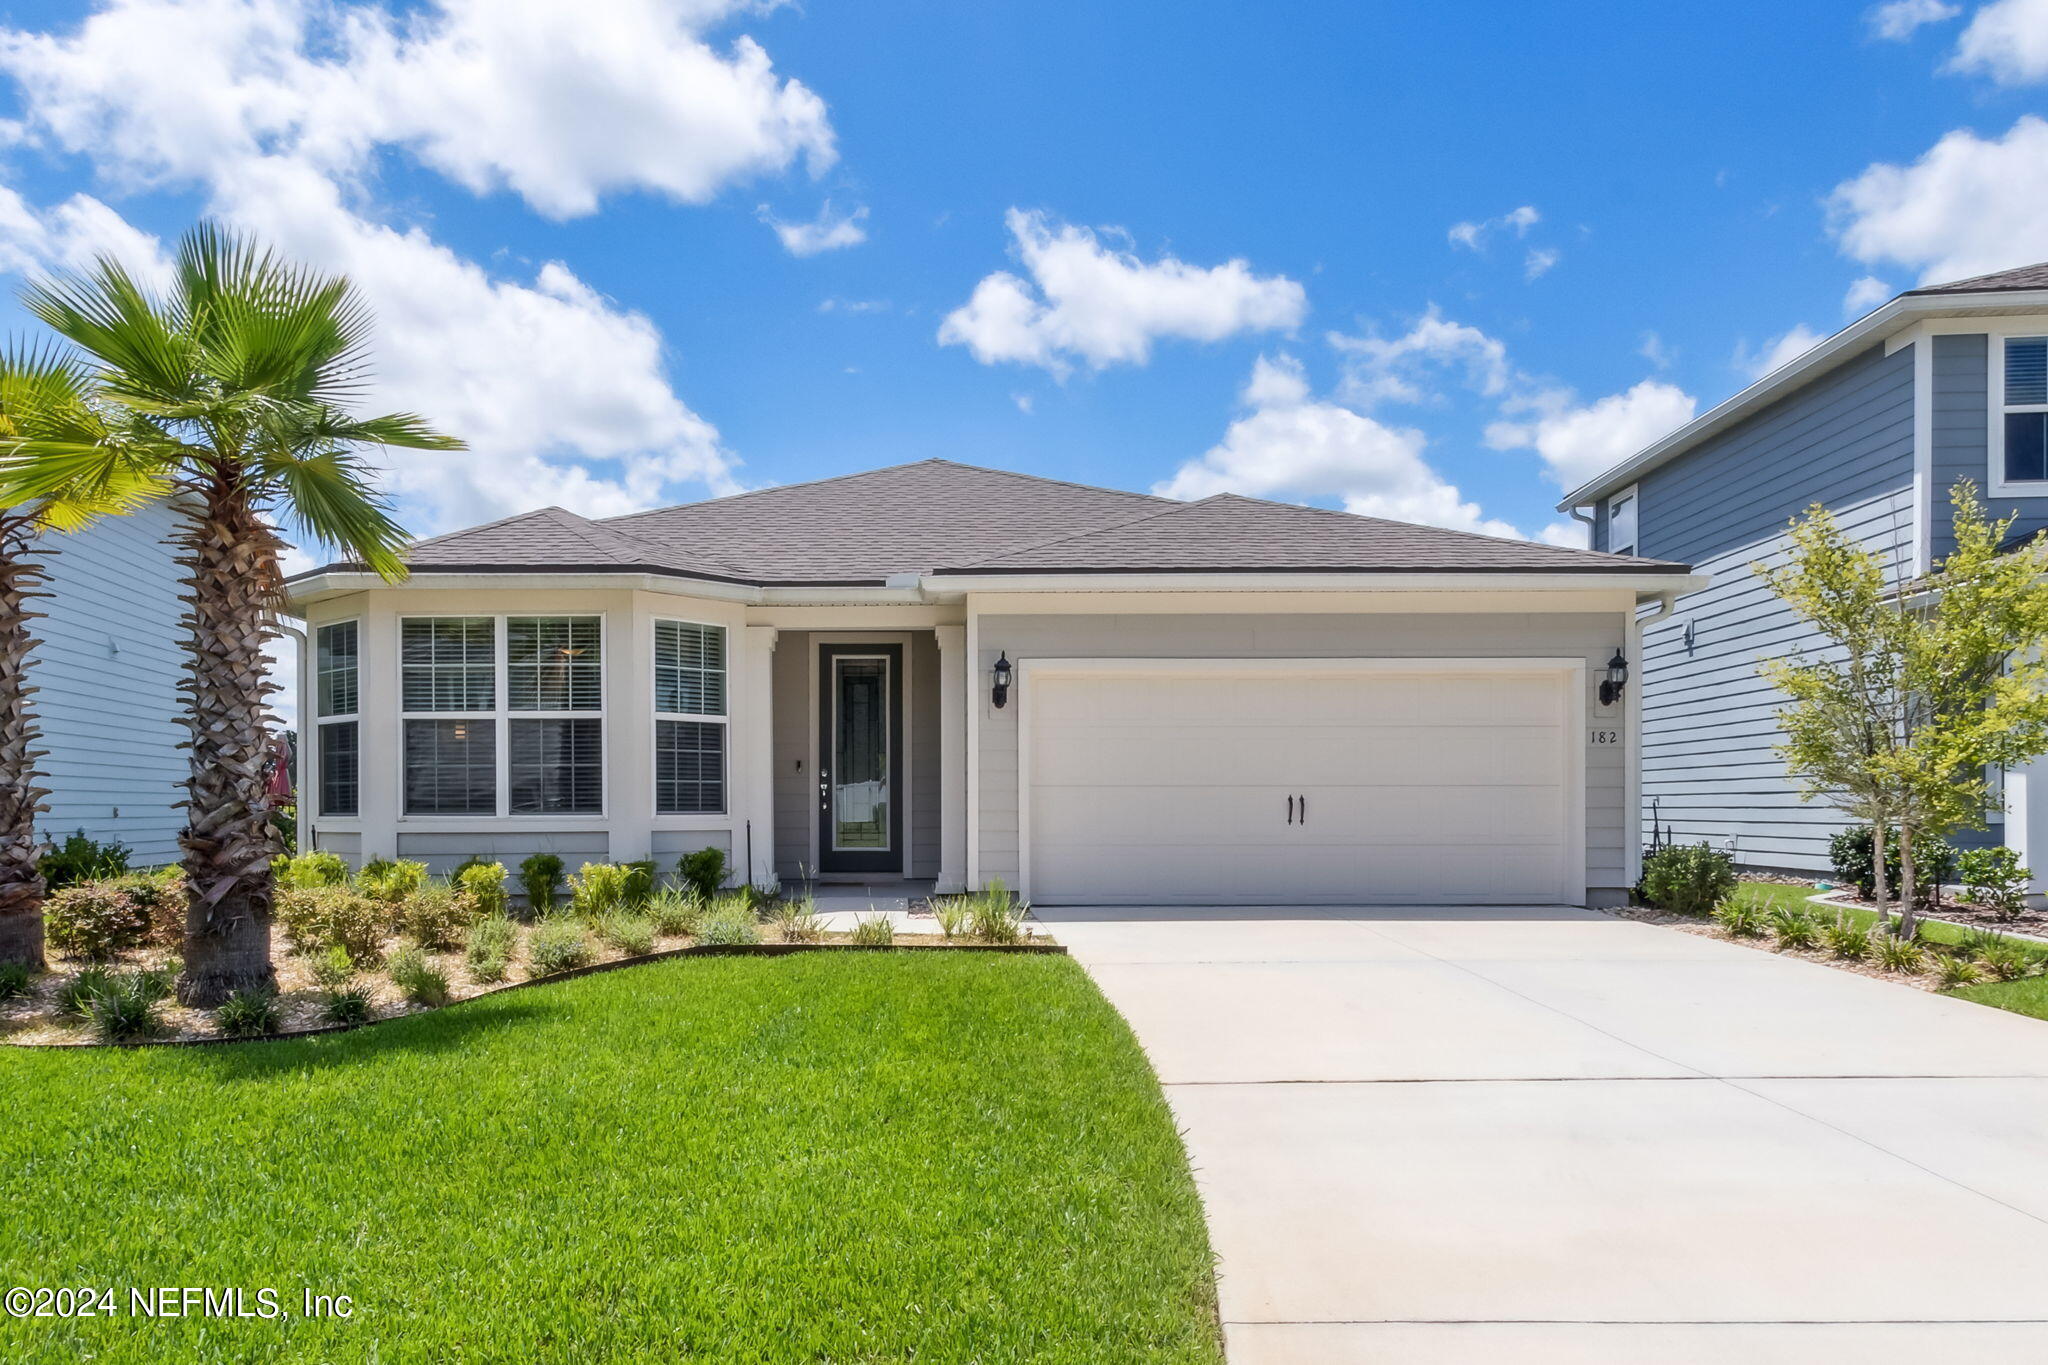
{"type": "Point", "coordinates": [1000, 694]}
{"type": "Point", "coordinates": [1612, 686]}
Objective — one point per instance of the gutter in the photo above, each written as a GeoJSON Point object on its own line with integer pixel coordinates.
{"type": "Point", "coordinates": [1873, 327]}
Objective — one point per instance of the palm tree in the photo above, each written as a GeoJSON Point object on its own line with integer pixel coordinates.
{"type": "Point", "coordinates": [228, 397]}
{"type": "Point", "coordinates": [40, 395]}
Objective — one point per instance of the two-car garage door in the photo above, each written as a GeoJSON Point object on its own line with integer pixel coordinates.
{"type": "Point", "coordinates": [1302, 781]}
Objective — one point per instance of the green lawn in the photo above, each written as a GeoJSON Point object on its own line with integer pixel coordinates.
{"type": "Point", "coordinates": [929, 1156]}
{"type": "Point", "coordinates": [2026, 996]}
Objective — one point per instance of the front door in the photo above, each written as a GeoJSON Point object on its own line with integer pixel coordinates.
{"type": "Point", "coordinates": [860, 758]}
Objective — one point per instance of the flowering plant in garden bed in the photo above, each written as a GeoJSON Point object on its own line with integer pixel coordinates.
{"type": "Point", "coordinates": [395, 939]}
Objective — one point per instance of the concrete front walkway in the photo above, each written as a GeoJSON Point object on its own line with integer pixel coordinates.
{"type": "Point", "coordinates": [1454, 1136]}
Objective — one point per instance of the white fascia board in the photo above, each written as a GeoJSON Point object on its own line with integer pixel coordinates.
{"type": "Point", "coordinates": [1645, 586]}
{"type": "Point", "coordinates": [1900, 313]}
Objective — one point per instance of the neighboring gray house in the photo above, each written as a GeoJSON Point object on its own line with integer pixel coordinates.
{"type": "Point", "coordinates": [107, 671]}
{"type": "Point", "coordinates": [1877, 423]}
{"type": "Point", "coordinates": [945, 675]}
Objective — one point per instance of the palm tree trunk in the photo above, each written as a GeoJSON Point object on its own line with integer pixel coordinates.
{"type": "Point", "coordinates": [230, 557]}
{"type": "Point", "coordinates": [21, 800]}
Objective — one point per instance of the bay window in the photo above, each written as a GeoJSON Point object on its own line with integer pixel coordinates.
{"type": "Point", "coordinates": [690, 718]}
{"type": "Point", "coordinates": [337, 754]}
{"type": "Point", "coordinates": [503, 714]}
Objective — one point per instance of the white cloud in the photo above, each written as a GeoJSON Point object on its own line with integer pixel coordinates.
{"type": "Point", "coordinates": [1538, 262]}
{"type": "Point", "coordinates": [1381, 370]}
{"type": "Point", "coordinates": [1291, 445]}
{"type": "Point", "coordinates": [1570, 535]}
{"type": "Point", "coordinates": [1654, 350]}
{"type": "Point", "coordinates": [1865, 294]}
{"type": "Point", "coordinates": [1023, 401]}
{"type": "Point", "coordinates": [1577, 441]}
{"type": "Point", "coordinates": [1473, 235]}
{"type": "Point", "coordinates": [1779, 350]}
{"type": "Point", "coordinates": [823, 233]}
{"type": "Point", "coordinates": [2006, 40]}
{"type": "Point", "coordinates": [276, 113]}
{"type": "Point", "coordinates": [1090, 302]}
{"type": "Point", "coordinates": [843, 305]}
{"type": "Point", "coordinates": [1901, 19]}
{"type": "Point", "coordinates": [1968, 206]}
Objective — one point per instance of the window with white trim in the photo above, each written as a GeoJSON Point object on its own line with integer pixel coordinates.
{"type": "Point", "coordinates": [1621, 523]}
{"type": "Point", "coordinates": [503, 715]}
{"type": "Point", "coordinates": [691, 723]}
{"type": "Point", "coordinates": [2025, 411]}
{"type": "Point", "coordinates": [336, 665]}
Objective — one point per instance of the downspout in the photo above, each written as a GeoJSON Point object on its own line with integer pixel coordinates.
{"type": "Point", "coordinates": [1589, 518]}
{"type": "Point", "coordinates": [305, 751]}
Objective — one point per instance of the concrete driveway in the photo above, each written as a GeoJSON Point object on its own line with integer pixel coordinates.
{"type": "Point", "coordinates": [1541, 1135]}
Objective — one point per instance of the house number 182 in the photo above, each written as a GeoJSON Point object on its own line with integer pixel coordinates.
{"type": "Point", "coordinates": [1599, 737]}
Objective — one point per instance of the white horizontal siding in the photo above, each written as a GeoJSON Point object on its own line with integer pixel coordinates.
{"type": "Point", "coordinates": [107, 670]}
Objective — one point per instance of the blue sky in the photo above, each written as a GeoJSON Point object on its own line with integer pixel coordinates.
{"type": "Point", "coordinates": [1437, 261]}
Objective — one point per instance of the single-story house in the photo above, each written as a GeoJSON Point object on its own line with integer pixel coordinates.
{"type": "Point", "coordinates": [947, 673]}
{"type": "Point", "coordinates": [1876, 423]}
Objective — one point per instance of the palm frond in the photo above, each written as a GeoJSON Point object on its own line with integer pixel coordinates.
{"type": "Point", "coordinates": [134, 352]}
{"type": "Point", "coordinates": [264, 324]}
{"type": "Point", "coordinates": [331, 494]}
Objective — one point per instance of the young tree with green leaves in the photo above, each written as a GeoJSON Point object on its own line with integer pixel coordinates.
{"type": "Point", "coordinates": [1844, 712]}
{"type": "Point", "coordinates": [1924, 687]}
{"type": "Point", "coordinates": [230, 396]}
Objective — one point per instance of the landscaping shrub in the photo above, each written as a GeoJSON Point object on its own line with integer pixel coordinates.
{"type": "Point", "coordinates": [484, 883]}
{"type": "Point", "coordinates": [2006, 959]}
{"type": "Point", "coordinates": [1952, 971]}
{"type": "Point", "coordinates": [632, 935]}
{"type": "Point", "coordinates": [489, 950]}
{"type": "Point", "coordinates": [473, 860]}
{"type": "Point", "coordinates": [333, 968]}
{"type": "Point", "coordinates": [560, 945]}
{"type": "Point", "coordinates": [1993, 880]}
{"type": "Point", "coordinates": [874, 932]}
{"type": "Point", "coordinates": [798, 920]}
{"type": "Point", "coordinates": [638, 887]}
{"type": "Point", "coordinates": [93, 920]}
{"type": "Point", "coordinates": [80, 859]}
{"type": "Point", "coordinates": [728, 922]}
{"type": "Point", "coordinates": [675, 913]}
{"type": "Point", "coordinates": [540, 877]}
{"type": "Point", "coordinates": [1934, 862]}
{"type": "Point", "coordinates": [420, 980]}
{"type": "Point", "coordinates": [1794, 927]}
{"type": "Point", "coordinates": [703, 871]}
{"type": "Point", "coordinates": [126, 1008]}
{"type": "Point", "coordinates": [953, 913]}
{"type": "Point", "coordinates": [598, 889]}
{"type": "Point", "coordinates": [345, 1005]}
{"type": "Point", "coordinates": [160, 896]}
{"type": "Point", "coordinates": [391, 881]}
{"type": "Point", "coordinates": [247, 1014]}
{"type": "Point", "coordinates": [1895, 954]}
{"type": "Point", "coordinates": [75, 997]}
{"type": "Point", "coordinates": [1688, 879]}
{"type": "Point", "coordinates": [14, 979]}
{"type": "Point", "coordinates": [995, 916]}
{"type": "Point", "coordinates": [435, 916]}
{"type": "Point", "coordinates": [1740, 916]}
{"type": "Point", "coordinates": [334, 916]}
{"type": "Point", "coordinates": [309, 870]}
{"type": "Point", "coordinates": [1846, 939]}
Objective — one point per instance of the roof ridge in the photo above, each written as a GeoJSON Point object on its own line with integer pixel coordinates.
{"type": "Point", "coordinates": [1409, 525]}
{"type": "Point", "coordinates": [588, 531]}
{"type": "Point", "coordinates": [1174, 506]}
{"type": "Point", "coordinates": [487, 525]}
{"type": "Point", "coordinates": [1040, 478]}
{"type": "Point", "coordinates": [730, 498]}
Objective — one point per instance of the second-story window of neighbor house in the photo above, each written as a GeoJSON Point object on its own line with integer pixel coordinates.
{"type": "Point", "coordinates": [689, 718]}
{"type": "Point", "coordinates": [2026, 410]}
{"type": "Point", "coordinates": [1621, 523]}
{"type": "Point", "coordinates": [334, 719]}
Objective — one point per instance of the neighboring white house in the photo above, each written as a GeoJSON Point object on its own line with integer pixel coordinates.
{"type": "Point", "coordinates": [939, 672]}
{"type": "Point", "coordinates": [107, 671]}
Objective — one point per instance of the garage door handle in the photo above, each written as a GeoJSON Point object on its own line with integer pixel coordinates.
{"type": "Point", "coordinates": [1290, 810]}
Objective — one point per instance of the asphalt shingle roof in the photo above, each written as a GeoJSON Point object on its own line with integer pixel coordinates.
{"type": "Point", "coordinates": [940, 516]}
{"type": "Point", "coordinates": [2020, 277]}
